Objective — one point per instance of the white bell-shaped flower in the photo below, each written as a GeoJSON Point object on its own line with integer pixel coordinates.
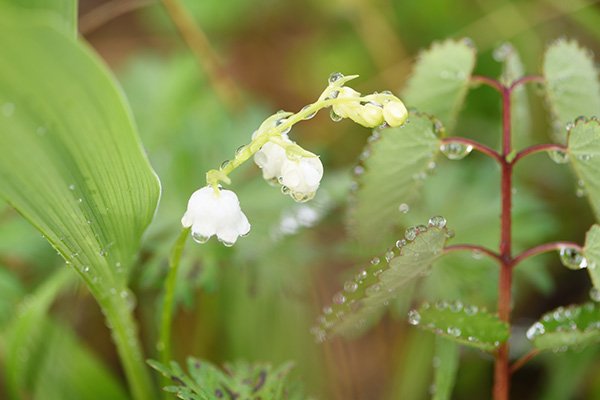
{"type": "Point", "coordinates": [301, 177]}
{"type": "Point", "coordinates": [270, 159]}
{"type": "Point", "coordinates": [395, 113]}
{"type": "Point", "coordinates": [215, 212]}
{"type": "Point", "coordinates": [368, 114]}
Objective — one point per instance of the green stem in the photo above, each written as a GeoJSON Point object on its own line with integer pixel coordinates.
{"type": "Point", "coordinates": [164, 340]}
{"type": "Point", "coordinates": [125, 335]}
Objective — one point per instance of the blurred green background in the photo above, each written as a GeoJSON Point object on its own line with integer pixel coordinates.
{"type": "Point", "coordinates": [258, 300]}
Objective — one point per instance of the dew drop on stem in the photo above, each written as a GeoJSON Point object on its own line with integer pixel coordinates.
{"type": "Point", "coordinates": [456, 150]}
{"type": "Point", "coordinates": [572, 258]}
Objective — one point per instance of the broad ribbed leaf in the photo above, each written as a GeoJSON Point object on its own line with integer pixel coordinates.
{"type": "Point", "coordinates": [374, 286]}
{"type": "Point", "coordinates": [72, 163]}
{"type": "Point", "coordinates": [512, 69]}
{"type": "Point", "coordinates": [65, 11]}
{"type": "Point", "coordinates": [583, 144]}
{"type": "Point", "coordinates": [445, 364]}
{"type": "Point", "coordinates": [565, 327]}
{"type": "Point", "coordinates": [393, 167]}
{"type": "Point", "coordinates": [572, 86]}
{"type": "Point", "coordinates": [461, 323]}
{"type": "Point", "coordinates": [440, 80]}
{"type": "Point", "coordinates": [591, 252]}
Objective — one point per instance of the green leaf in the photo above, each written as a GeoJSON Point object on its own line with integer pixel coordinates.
{"type": "Point", "coordinates": [445, 363]}
{"type": "Point", "coordinates": [393, 167]}
{"type": "Point", "coordinates": [591, 251]}
{"type": "Point", "coordinates": [440, 80]}
{"type": "Point", "coordinates": [74, 166]}
{"type": "Point", "coordinates": [577, 325]}
{"type": "Point", "coordinates": [513, 69]}
{"type": "Point", "coordinates": [464, 324]}
{"type": "Point", "coordinates": [583, 147]}
{"type": "Point", "coordinates": [572, 86]}
{"type": "Point", "coordinates": [11, 291]}
{"type": "Point", "coordinates": [242, 380]}
{"type": "Point", "coordinates": [377, 284]}
{"type": "Point", "coordinates": [65, 10]}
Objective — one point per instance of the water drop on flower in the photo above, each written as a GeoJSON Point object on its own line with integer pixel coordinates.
{"type": "Point", "coordinates": [309, 116]}
{"type": "Point", "coordinates": [404, 208]}
{"type": "Point", "coordinates": [572, 258]}
{"type": "Point", "coordinates": [224, 164]}
{"type": "Point", "coordinates": [198, 238]}
{"type": "Point", "coordinates": [437, 221]}
{"type": "Point", "coordinates": [414, 318]}
{"type": "Point", "coordinates": [334, 77]}
{"type": "Point", "coordinates": [240, 149]}
{"type": "Point", "coordinates": [456, 150]}
{"type": "Point", "coordinates": [334, 117]}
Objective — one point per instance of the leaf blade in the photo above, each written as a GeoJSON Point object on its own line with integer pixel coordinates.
{"type": "Point", "coordinates": [445, 364]}
{"type": "Point", "coordinates": [440, 80]}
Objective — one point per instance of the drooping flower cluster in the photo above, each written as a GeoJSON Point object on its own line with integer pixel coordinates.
{"type": "Point", "coordinates": [215, 211]}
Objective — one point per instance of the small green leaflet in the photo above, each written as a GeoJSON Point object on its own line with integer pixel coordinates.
{"type": "Point", "coordinates": [564, 327]}
{"type": "Point", "coordinates": [440, 80]}
{"type": "Point", "coordinates": [392, 169]}
{"type": "Point", "coordinates": [572, 86]}
{"type": "Point", "coordinates": [583, 147]}
{"type": "Point", "coordinates": [445, 365]}
{"type": "Point", "coordinates": [65, 11]}
{"type": "Point", "coordinates": [373, 287]}
{"type": "Point", "coordinates": [465, 324]}
{"type": "Point", "coordinates": [591, 251]}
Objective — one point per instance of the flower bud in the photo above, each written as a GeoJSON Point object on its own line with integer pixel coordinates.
{"type": "Point", "coordinates": [394, 113]}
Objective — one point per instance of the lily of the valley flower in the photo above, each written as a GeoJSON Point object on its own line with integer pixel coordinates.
{"type": "Point", "coordinates": [270, 159]}
{"type": "Point", "coordinates": [372, 110]}
{"type": "Point", "coordinates": [215, 212]}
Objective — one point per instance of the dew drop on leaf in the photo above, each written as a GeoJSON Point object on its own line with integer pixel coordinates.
{"type": "Point", "coordinates": [456, 150]}
{"type": "Point", "coordinates": [572, 258]}
{"type": "Point", "coordinates": [437, 221]}
{"type": "Point", "coordinates": [414, 318]}
{"type": "Point", "coordinates": [404, 208]}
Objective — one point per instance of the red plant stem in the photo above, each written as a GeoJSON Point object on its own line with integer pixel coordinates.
{"type": "Point", "coordinates": [544, 248]}
{"type": "Point", "coordinates": [526, 79]}
{"type": "Point", "coordinates": [488, 81]}
{"type": "Point", "coordinates": [501, 368]}
{"type": "Point", "coordinates": [476, 146]}
{"type": "Point", "coordinates": [538, 148]}
{"type": "Point", "coordinates": [474, 248]}
{"type": "Point", "coordinates": [523, 360]}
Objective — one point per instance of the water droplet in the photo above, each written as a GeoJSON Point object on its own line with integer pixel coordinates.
{"type": "Point", "coordinates": [334, 77]}
{"type": "Point", "coordinates": [595, 295]}
{"type": "Point", "coordinates": [411, 233]}
{"type": "Point", "coordinates": [404, 208]}
{"type": "Point", "coordinates": [350, 286]}
{"type": "Point", "coordinates": [456, 150]}
{"type": "Point", "coordinates": [375, 261]}
{"type": "Point", "coordinates": [309, 116]}
{"type": "Point", "coordinates": [339, 298]}
{"type": "Point", "coordinates": [572, 258]}
{"type": "Point", "coordinates": [456, 306]}
{"type": "Point", "coordinates": [471, 310]}
{"type": "Point", "coordinates": [361, 276]}
{"type": "Point", "coordinates": [559, 156]}
{"type": "Point", "coordinates": [71, 187]}
{"type": "Point", "coordinates": [389, 255]}
{"type": "Point", "coordinates": [240, 149]}
{"type": "Point", "coordinates": [535, 330]}
{"type": "Point", "coordinates": [477, 254]}
{"type": "Point", "coordinates": [437, 221]}
{"type": "Point", "coordinates": [281, 121]}
{"type": "Point", "coordinates": [453, 331]}
{"type": "Point", "coordinates": [334, 117]}
{"type": "Point", "coordinates": [285, 189]}
{"type": "Point", "coordinates": [441, 305]}
{"type": "Point", "coordinates": [401, 243]}
{"type": "Point", "coordinates": [85, 268]}
{"type": "Point", "coordinates": [8, 109]}
{"type": "Point", "coordinates": [224, 164]}
{"type": "Point", "coordinates": [359, 170]}
{"type": "Point", "coordinates": [502, 52]}
{"type": "Point", "coordinates": [414, 318]}
{"type": "Point", "coordinates": [198, 238]}
{"type": "Point", "coordinates": [584, 157]}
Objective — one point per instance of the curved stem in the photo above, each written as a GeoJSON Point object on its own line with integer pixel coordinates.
{"type": "Point", "coordinates": [474, 248]}
{"type": "Point", "coordinates": [125, 336]}
{"type": "Point", "coordinates": [164, 340]}
{"type": "Point", "coordinates": [107, 12]}
{"type": "Point", "coordinates": [493, 83]}
{"type": "Point", "coordinates": [523, 360]}
{"type": "Point", "coordinates": [538, 148]}
{"type": "Point", "coordinates": [526, 79]}
{"type": "Point", "coordinates": [222, 83]}
{"type": "Point", "coordinates": [488, 151]}
{"type": "Point", "coordinates": [544, 248]}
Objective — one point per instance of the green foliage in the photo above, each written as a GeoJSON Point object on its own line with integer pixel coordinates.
{"type": "Point", "coordinates": [11, 290]}
{"type": "Point", "coordinates": [392, 169]}
{"type": "Point", "coordinates": [584, 154]}
{"type": "Point", "coordinates": [445, 363]}
{"type": "Point", "coordinates": [64, 10]}
{"type": "Point", "coordinates": [242, 380]}
{"type": "Point", "coordinates": [440, 80]}
{"type": "Point", "coordinates": [561, 328]}
{"type": "Point", "coordinates": [591, 252]}
{"type": "Point", "coordinates": [464, 324]}
{"type": "Point", "coordinates": [572, 85]}
{"type": "Point", "coordinates": [91, 191]}
{"type": "Point", "coordinates": [377, 284]}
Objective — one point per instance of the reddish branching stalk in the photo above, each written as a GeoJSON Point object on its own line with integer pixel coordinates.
{"type": "Point", "coordinates": [488, 151]}
{"type": "Point", "coordinates": [507, 159]}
